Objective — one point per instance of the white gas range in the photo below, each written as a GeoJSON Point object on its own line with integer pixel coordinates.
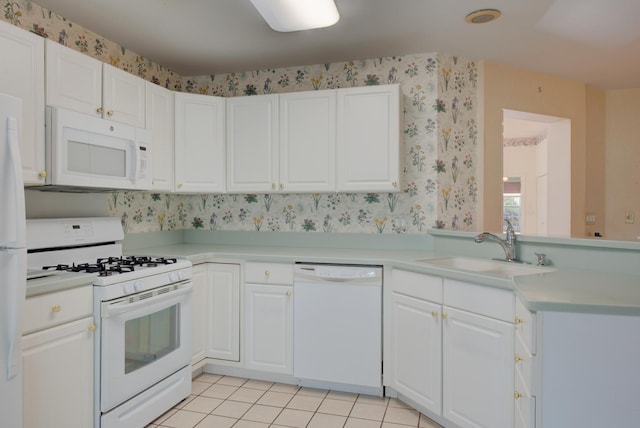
{"type": "Point", "coordinates": [142, 311]}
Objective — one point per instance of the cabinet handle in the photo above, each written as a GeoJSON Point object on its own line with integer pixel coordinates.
{"type": "Point", "coordinates": [56, 308]}
{"type": "Point", "coordinates": [288, 293]}
{"type": "Point", "coordinates": [517, 395]}
{"type": "Point", "coordinates": [444, 316]}
{"type": "Point", "coordinates": [92, 328]}
{"type": "Point", "coordinates": [518, 358]}
{"type": "Point", "coordinates": [434, 314]}
{"type": "Point", "coordinates": [110, 113]}
{"type": "Point", "coordinates": [100, 110]}
{"type": "Point", "coordinates": [42, 174]}
{"type": "Point", "coordinates": [518, 320]}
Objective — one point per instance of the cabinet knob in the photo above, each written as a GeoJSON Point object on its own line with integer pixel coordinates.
{"type": "Point", "coordinates": [273, 185]}
{"type": "Point", "coordinates": [110, 113]}
{"type": "Point", "coordinates": [56, 308]}
{"type": "Point", "coordinates": [100, 110]}
{"type": "Point", "coordinates": [518, 358]}
{"type": "Point", "coordinates": [179, 184]}
{"type": "Point", "coordinates": [444, 316]}
{"type": "Point", "coordinates": [434, 314]}
{"type": "Point", "coordinates": [517, 395]}
{"type": "Point", "coordinates": [394, 184]}
{"type": "Point", "coordinates": [42, 174]}
{"type": "Point", "coordinates": [288, 293]}
{"type": "Point", "coordinates": [92, 328]}
{"type": "Point", "coordinates": [518, 320]}
{"type": "Point", "coordinates": [281, 186]}
{"type": "Point", "coordinates": [267, 273]}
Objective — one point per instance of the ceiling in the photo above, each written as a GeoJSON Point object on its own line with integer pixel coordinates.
{"type": "Point", "coordinates": [592, 41]}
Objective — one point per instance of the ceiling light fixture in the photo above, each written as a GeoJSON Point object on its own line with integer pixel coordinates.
{"type": "Point", "coordinates": [482, 16]}
{"type": "Point", "coordinates": [297, 15]}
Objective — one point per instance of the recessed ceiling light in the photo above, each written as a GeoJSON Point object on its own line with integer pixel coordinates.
{"type": "Point", "coordinates": [483, 15]}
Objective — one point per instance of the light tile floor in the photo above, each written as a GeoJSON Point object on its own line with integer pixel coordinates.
{"type": "Point", "coordinates": [225, 401]}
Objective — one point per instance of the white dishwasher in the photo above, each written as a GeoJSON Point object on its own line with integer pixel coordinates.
{"type": "Point", "coordinates": [337, 312]}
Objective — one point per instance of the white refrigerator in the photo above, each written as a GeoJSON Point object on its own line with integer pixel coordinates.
{"type": "Point", "coordinates": [13, 265]}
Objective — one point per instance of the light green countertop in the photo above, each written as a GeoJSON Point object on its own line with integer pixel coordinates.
{"type": "Point", "coordinates": [564, 289]}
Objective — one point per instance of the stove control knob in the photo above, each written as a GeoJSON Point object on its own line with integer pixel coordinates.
{"type": "Point", "coordinates": [128, 288]}
{"type": "Point", "coordinates": [138, 285]}
{"type": "Point", "coordinates": [173, 277]}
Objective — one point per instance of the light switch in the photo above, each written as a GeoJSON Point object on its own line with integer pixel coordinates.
{"type": "Point", "coordinates": [628, 217]}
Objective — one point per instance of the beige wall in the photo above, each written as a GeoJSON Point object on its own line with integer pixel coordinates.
{"type": "Point", "coordinates": [595, 170]}
{"type": "Point", "coordinates": [622, 163]}
{"type": "Point", "coordinates": [512, 88]}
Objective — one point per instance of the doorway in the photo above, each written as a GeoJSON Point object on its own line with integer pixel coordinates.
{"type": "Point", "coordinates": [537, 155]}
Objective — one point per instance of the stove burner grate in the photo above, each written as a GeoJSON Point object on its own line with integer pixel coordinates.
{"type": "Point", "coordinates": [107, 266]}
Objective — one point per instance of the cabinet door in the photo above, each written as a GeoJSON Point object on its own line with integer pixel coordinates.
{"type": "Point", "coordinates": [23, 77]}
{"type": "Point", "coordinates": [252, 144]}
{"type": "Point", "coordinates": [369, 139]}
{"type": "Point", "coordinates": [478, 370]}
{"type": "Point", "coordinates": [415, 354]}
{"type": "Point", "coordinates": [223, 308]}
{"type": "Point", "coordinates": [160, 121]}
{"type": "Point", "coordinates": [199, 144]}
{"type": "Point", "coordinates": [74, 80]}
{"type": "Point", "coordinates": [308, 141]}
{"type": "Point", "coordinates": [123, 96]}
{"type": "Point", "coordinates": [198, 328]}
{"type": "Point", "coordinates": [269, 328]}
{"type": "Point", "coordinates": [58, 376]}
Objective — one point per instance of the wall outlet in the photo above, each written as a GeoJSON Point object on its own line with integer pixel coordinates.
{"type": "Point", "coordinates": [591, 219]}
{"type": "Point", "coordinates": [628, 217]}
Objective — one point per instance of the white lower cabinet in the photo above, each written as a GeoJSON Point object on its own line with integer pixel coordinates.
{"type": "Point", "coordinates": [477, 370]}
{"type": "Point", "coordinates": [269, 328]}
{"type": "Point", "coordinates": [449, 349]}
{"type": "Point", "coordinates": [269, 317]}
{"type": "Point", "coordinates": [223, 312]}
{"type": "Point", "coordinates": [198, 327]}
{"type": "Point", "coordinates": [416, 332]}
{"type": "Point", "coordinates": [57, 360]}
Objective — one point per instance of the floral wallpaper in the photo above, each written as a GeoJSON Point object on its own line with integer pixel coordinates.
{"type": "Point", "coordinates": [439, 184]}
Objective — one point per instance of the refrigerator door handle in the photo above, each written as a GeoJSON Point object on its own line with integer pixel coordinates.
{"type": "Point", "coordinates": [18, 188]}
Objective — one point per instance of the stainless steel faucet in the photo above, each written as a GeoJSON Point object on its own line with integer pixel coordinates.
{"type": "Point", "coordinates": [508, 244]}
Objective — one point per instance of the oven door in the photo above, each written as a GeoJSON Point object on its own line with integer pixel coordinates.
{"type": "Point", "coordinates": [145, 337]}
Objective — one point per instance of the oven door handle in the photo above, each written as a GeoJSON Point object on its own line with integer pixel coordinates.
{"type": "Point", "coordinates": [113, 308]}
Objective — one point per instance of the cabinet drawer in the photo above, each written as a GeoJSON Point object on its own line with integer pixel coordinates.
{"type": "Point", "coordinates": [524, 364]}
{"type": "Point", "coordinates": [487, 301]}
{"type": "Point", "coordinates": [48, 310]}
{"type": "Point", "coordinates": [269, 273]}
{"type": "Point", "coordinates": [526, 326]}
{"type": "Point", "coordinates": [420, 286]}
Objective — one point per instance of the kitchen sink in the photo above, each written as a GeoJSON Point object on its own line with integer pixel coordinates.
{"type": "Point", "coordinates": [497, 268]}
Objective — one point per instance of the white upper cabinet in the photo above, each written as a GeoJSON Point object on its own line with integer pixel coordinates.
{"type": "Point", "coordinates": [81, 83]}
{"type": "Point", "coordinates": [252, 144]}
{"type": "Point", "coordinates": [123, 96]}
{"type": "Point", "coordinates": [23, 77]}
{"type": "Point", "coordinates": [199, 143]}
{"type": "Point", "coordinates": [160, 121]}
{"type": "Point", "coordinates": [308, 141]}
{"type": "Point", "coordinates": [369, 139]}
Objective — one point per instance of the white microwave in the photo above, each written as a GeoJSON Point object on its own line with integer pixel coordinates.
{"type": "Point", "coordinates": [86, 153]}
